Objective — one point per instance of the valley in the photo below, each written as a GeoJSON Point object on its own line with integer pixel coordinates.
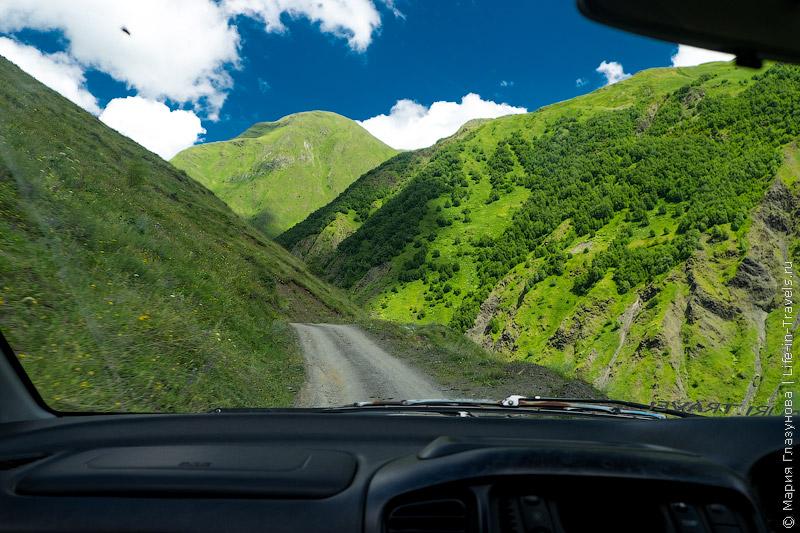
{"type": "Point", "coordinates": [626, 243]}
{"type": "Point", "coordinates": [630, 238]}
{"type": "Point", "coordinates": [127, 286]}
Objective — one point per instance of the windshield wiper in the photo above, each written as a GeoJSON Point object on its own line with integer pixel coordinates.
{"type": "Point", "coordinates": [524, 404]}
{"type": "Point", "coordinates": [510, 406]}
{"type": "Point", "coordinates": [611, 406]}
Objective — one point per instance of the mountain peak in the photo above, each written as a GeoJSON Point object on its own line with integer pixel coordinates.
{"type": "Point", "coordinates": [277, 173]}
{"type": "Point", "coordinates": [315, 116]}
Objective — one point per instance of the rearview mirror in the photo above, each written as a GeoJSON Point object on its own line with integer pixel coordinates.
{"type": "Point", "coordinates": [753, 30]}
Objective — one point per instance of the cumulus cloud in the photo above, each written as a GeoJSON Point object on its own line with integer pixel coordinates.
{"type": "Point", "coordinates": [179, 50]}
{"type": "Point", "coordinates": [688, 56]}
{"type": "Point", "coordinates": [354, 20]}
{"type": "Point", "coordinates": [410, 125]}
{"type": "Point", "coordinates": [58, 71]}
{"type": "Point", "coordinates": [612, 71]}
{"type": "Point", "coordinates": [176, 50]}
{"type": "Point", "coordinates": [153, 125]}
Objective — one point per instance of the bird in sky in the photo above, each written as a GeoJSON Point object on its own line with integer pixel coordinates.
{"type": "Point", "coordinates": [125, 31]}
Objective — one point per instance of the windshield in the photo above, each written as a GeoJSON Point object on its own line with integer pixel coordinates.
{"type": "Point", "coordinates": [228, 204]}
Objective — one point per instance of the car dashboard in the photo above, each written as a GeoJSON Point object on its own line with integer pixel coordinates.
{"type": "Point", "coordinates": [380, 472]}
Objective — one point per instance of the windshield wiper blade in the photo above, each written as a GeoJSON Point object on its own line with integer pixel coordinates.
{"type": "Point", "coordinates": [579, 406]}
{"type": "Point", "coordinates": [611, 406]}
{"type": "Point", "coordinates": [522, 405]}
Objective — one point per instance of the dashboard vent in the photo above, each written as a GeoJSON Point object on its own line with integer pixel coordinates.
{"type": "Point", "coordinates": [442, 515]}
{"type": "Point", "coordinates": [509, 516]}
{"type": "Point", "coordinates": [519, 514]}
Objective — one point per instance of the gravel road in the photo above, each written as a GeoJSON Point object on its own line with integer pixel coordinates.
{"type": "Point", "coordinates": [344, 366]}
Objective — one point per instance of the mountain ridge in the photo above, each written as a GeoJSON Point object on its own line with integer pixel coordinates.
{"type": "Point", "coordinates": [275, 173]}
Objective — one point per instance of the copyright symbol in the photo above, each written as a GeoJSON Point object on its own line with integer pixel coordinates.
{"type": "Point", "coordinates": [788, 522]}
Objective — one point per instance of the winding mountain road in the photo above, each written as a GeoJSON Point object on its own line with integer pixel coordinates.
{"type": "Point", "coordinates": [344, 366]}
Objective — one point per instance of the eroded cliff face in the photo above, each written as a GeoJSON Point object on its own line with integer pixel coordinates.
{"type": "Point", "coordinates": [707, 331]}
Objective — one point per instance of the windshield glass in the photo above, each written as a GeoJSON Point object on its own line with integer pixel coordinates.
{"type": "Point", "coordinates": [229, 204]}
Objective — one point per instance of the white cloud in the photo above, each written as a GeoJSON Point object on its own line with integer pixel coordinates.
{"type": "Point", "coordinates": [612, 71]}
{"type": "Point", "coordinates": [354, 20]}
{"type": "Point", "coordinates": [153, 125]}
{"type": "Point", "coordinates": [410, 125]}
{"type": "Point", "coordinates": [688, 56]}
{"type": "Point", "coordinates": [58, 71]}
{"type": "Point", "coordinates": [180, 50]}
{"type": "Point", "coordinates": [580, 82]}
{"type": "Point", "coordinates": [176, 50]}
{"type": "Point", "coordinates": [506, 83]}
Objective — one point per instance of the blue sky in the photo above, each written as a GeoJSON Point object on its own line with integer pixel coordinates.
{"type": "Point", "coordinates": [439, 51]}
{"type": "Point", "coordinates": [207, 72]}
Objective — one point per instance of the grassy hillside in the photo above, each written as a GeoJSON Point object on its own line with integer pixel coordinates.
{"type": "Point", "coordinates": [632, 237]}
{"type": "Point", "coordinates": [126, 285]}
{"type": "Point", "coordinates": [276, 173]}
{"type": "Point", "coordinates": [316, 238]}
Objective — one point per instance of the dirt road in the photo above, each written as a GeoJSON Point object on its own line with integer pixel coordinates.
{"type": "Point", "coordinates": [344, 366]}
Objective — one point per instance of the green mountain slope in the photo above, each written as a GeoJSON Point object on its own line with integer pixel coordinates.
{"type": "Point", "coordinates": [276, 173]}
{"type": "Point", "coordinates": [125, 284]}
{"type": "Point", "coordinates": [316, 238]}
{"type": "Point", "coordinates": [633, 237]}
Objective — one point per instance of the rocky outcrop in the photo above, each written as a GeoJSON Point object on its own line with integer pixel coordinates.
{"type": "Point", "coordinates": [574, 328]}
{"type": "Point", "coordinates": [693, 96]}
{"type": "Point", "coordinates": [563, 337]}
{"type": "Point", "coordinates": [701, 298]}
{"type": "Point", "coordinates": [755, 278]}
{"type": "Point", "coordinates": [644, 122]}
{"type": "Point", "coordinates": [625, 321]}
{"type": "Point", "coordinates": [768, 238]}
{"type": "Point", "coordinates": [507, 341]}
{"type": "Point", "coordinates": [656, 343]}
{"type": "Point", "coordinates": [480, 332]}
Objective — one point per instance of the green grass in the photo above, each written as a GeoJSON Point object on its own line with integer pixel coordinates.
{"type": "Point", "coordinates": [772, 357]}
{"type": "Point", "coordinates": [365, 196]}
{"type": "Point", "coordinates": [646, 85]}
{"type": "Point", "coordinates": [486, 220]}
{"type": "Point", "coordinates": [789, 173]}
{"type": "Point", "coordinates": [124, 284]}
{"type": "Point", "coordinates": [277, 173]}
